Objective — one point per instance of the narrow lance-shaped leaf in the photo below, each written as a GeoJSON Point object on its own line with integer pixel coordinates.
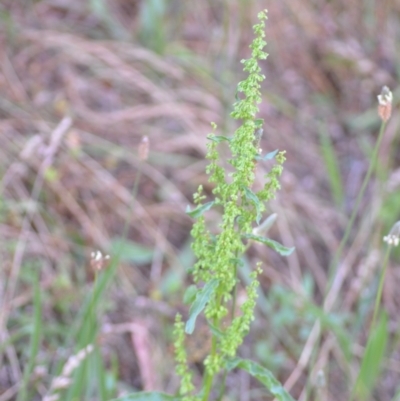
{"type": "Point", "coordinates": [372, 360]}
{"type": "Point", "coordinates": [268, 156]}
{"type": "Point", "coordinates": [190, 294]}
{"type": "Point", "coordinates": [259, 122]}
{"type": "Point", "coordinates": [251, 196]}
{"type": "Point", "coordinates": [202, 297]}
{"type": "Point", "coordinates": [195, 213]}
{"type": "Point", "coordinates": [217, 332]}
{"type": "Point", "coordinates": [219, 138]}
{"type": "Point", "coordinates": [263, 375]}
{"type": "Point", "coordinates": [237, 98]}
{"type": "Point", "coordinates": [276, 246]}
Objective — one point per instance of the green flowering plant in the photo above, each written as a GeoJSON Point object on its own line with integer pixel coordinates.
{"type": "Point", "coordinates": [218, 256]}
{"type": "Point", "coordinates": [215, 273]}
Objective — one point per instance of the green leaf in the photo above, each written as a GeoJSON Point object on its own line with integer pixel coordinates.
{"type": "Point", "coordinates": [237, 261]}
{"type": "Point", "coordinates": [195, 213]}
{"type": "Point", "coordinates": [276, 246]}
{"type": "Point", "coordinates": [152, 25]}
{"type": "Point", "coordinates": [258, 122]}
{"type": "Point", "coordinates": [251, 196]}
{"type": "Point", "coordinates": [237, 98]}
{"type": "Point", "coordinates": [171, 282]}
{"type": "Point", "coordinates": [219, 138]}
{"type": "Point", "coordinates": [217, 332]}
{"type": "Point", "coordinates": [130, 251]}
{"type": "Point", "coordinates": [202, 297]}
{"type": "Point", "coordinates": [332, 166]}
{"type": "Point", "coordinates": [190, 294]}
{"type": "Point", "coordinates": [371, 363]}
{"type": "Point", "coordinates": [262, 375]}
{"type": "Point", "coordinates": [268, 156]}
{"type": "Point", "coordinates": [148, 396]}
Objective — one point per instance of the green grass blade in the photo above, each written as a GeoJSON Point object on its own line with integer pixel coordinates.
{"type": "Point", "coordinates": [34, 343]}
{"type": "Point", "coordinates": [101, 10]}
{"type": "Point", "coordinates": [87, 326]}
{"type": "Point", "coordinates": [371, 363]}
{"type": "Point", "coordinates": [332, 167]}
{"type": "Point", "coordinates": [100, 373]}
{"type": "Point", "coordinates": [152, 19]}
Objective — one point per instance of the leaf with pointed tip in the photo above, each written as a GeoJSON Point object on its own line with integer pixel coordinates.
{"type": "Point", "coordinates": [237, 98]}
{"type": "Point", "coordinates": [195, 213]}
{"type": "Point", "coordinates": [238, 262]}
{"type": "Point", "coordinates": [268, 156]}
{"type": "Point", "coordinates": [251, 196]}
{"type": "Point", "coordinates": [263, 375]}
{"type": "Point", "coordinates": [202, 297]}
{"type": "Point", "coordinates": [190, 294]}
{"type": "Point", "coordinates": [372, 361]}
{"type": "Point", "coordinates": [219, 138]}
{"type": "Point", "coordinates": [258, 122]}
{"type": "Point", "coordinates": [217, 332]}
{"type": "Point", "coordinates": [276, 246]}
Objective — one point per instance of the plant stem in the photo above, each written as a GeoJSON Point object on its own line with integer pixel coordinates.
{"type": "Point", "coordinates": [208, 381]}
{"type": "Point", "coordinates": [134, 194]}
{"type": "Point", "coordinates": [222, 389]}
{"type": "Point", "coordinates": [360, 195]}
{"type": "Point", "coordinates": [234, 296]}
{"type": "Point", "coordinates": [233, 311]}
{"type": "Point", "coordinates": [99, 287]}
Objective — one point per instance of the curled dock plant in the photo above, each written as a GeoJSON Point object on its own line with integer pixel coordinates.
{"type": "Point", "coordinates": [219, 254]}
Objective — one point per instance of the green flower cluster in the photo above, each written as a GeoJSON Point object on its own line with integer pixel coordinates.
{"type": "Point", "coordinates": [182, 368]}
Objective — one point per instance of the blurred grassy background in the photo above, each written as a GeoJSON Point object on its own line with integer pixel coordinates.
{"type": "Point", "coordinates": [81, 82]}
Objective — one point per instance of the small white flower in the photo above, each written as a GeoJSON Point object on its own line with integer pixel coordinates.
{"type": "Point", "coordinates": [393, 238]}
{"type": "Point", "coordinates": [386, 96]}
{"type": "Point", "coordinates": [97, 260]}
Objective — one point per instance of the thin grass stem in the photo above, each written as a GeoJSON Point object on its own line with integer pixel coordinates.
{"type": "Point", "coordinates": [345, 238]}
{"type": "Point", "coordinates": [380, 287]}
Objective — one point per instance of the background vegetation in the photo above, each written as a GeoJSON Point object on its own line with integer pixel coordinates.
{"type": "Point", "coordinates": [81, 82]}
